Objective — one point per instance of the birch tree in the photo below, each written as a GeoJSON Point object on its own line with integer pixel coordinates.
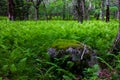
{"type": "Point", "coordinates": [11, 9]}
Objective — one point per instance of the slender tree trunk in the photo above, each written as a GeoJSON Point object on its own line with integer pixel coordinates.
{"type": "Point", "coordinates": [80, 10]}
{"type": "Point", "coordinates": [11, 10]}
{"type": "Point", "coordinates": [116, 45]}
{"type": "Point", "coordinates": [36, 5]}
{"type": "Point", "coordinates": [103, 5]}
{"type": "Point", "coordinates": [107, 11]}
{"type": "Point", "coordinates": [88, 10]}
{"type": "Point", "coordinates": [25, 13]}
{"type": "Point", "coordinates": [37, 13]}
{"type": "Point", "coordinates": [83, 7]}
{"type": "Point", "coordinates": [46, 14]}
{"type": "Point", "coordinates": [64, 9]}
{"type": "Point", "coordinates": [119, 13]}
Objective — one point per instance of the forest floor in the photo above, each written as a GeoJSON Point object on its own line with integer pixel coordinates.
{"type": "Point", "coordinates": [24, 45]}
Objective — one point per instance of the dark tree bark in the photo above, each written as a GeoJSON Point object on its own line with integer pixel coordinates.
{"type": "Point", "coordinates": [102, 6]}
{"type": "Point", "coordinates": [119, 12]}
{"type": "Point", "coordinates": [107, 11]}
{"type": "Point", "coordinates": [37, 13]}
{"type": "Point", "coordinates": [64, 9]}
{"type": "Point", "coordinates": [11, 9]}
{"type": "Point", "coordinates": [80, 10]}
{"type": "Point", "coordinates": [97, 15]}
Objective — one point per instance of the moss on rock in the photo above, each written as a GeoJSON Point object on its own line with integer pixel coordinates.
{"type": "Point", "coordinates": [64, 44]}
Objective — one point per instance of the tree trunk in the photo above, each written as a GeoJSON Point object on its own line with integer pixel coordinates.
{"type": "Point", "coordinates": [103, 5]}
{"type": "Point", "coordinates": [64, 9]}
{"type": "Point", "coordinates": [36, 5]}
{"type": "Point", "coordinates": [46, 14]}
{"type": "Point", "coordinates": [116, 45]}
{"type": "Point", "coordinates": [83, 8]}
{"type": "Point", "coordinates": [107, 11]}
{"type": "Point", "coordinates": [11, 10]}
{"type": "Point", "coordinates": [80, 10]}
{"type": "Point", "coordinates": [88, 10]}
{"type": "Point", "coordinates": [37, 13]}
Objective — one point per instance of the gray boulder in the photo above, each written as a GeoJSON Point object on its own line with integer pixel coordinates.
{"type": "Point", "coordinates": [81, 55]}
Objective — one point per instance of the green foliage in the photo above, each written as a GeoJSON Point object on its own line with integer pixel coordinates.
{"type": "Point", "coordinates": [91, 73]}
{"type": "Point", "coordinates": [3, 18]}
{"type": "Point", "coordinates": [24, 44]}
{"type": "Point", "coordinates": [114, 9]}
{"type": "Point", "coordinates": [3, 7]}
{"type": "Point", "coordinates": [112, 62]}
{"type": "Point", "coordinates": [107, 64]}
{"type": "Point", "coordinates": [21, 9]}
{"type": "Point", "coordinates": [54, 71]}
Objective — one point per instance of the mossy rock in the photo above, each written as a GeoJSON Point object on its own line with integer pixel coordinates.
{"type": "Point", "coordinates": [63, 47]}
{"type": "Point", "coordinates": [80, 54]}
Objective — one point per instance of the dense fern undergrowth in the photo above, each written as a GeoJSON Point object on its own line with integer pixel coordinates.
{"type": "Point", "coordinates": [24, 45]}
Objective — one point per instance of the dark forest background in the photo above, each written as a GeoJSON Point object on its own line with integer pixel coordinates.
{"type": "Point", "coordinates": [59, 9]}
